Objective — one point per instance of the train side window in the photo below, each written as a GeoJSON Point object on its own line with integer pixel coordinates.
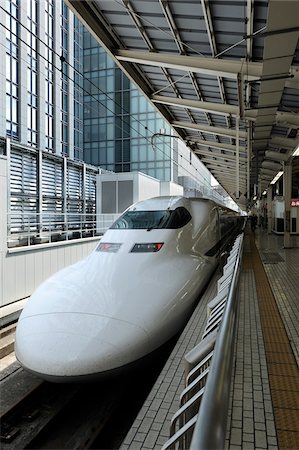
{"type": "Point", "coordinates": [179, 218]}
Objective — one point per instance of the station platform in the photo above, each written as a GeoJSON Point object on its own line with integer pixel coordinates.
{"type": "Point", "coordinates": [264, 407]}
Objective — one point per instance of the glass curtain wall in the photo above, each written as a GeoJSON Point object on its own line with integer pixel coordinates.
{"type": "Point", "coordinates": [12, 69]}
{"type": "Point", "coordinates": [111, 122]}
{"type": "Point", "coordinates": [78, 89]}
{"type": "Point", "coordinates": [119, 122]}
{"type": "Point", "coordinates": [64, 16]}
{"type": "Point", "coordinates": [155, 160]}
{"type": "Point", "coordinates": [49, 84]}
{"type": "Point", "coordinates": [99, 106]}
{"type": "Point", "coordinates": [32, 71]}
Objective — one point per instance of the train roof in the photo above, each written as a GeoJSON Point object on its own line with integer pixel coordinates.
{"type": "Point", "coordinates": [170, 202]}
{"type": "Point", "coordinates": [159, 203]}
{"type": "Point", "coordinates": [165, 202]}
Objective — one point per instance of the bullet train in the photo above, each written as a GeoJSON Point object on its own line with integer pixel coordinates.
{"type": "Point", "coordinates": [130, 295]}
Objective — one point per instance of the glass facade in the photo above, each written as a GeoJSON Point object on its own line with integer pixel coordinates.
{"type": "Point", "coordinates": [155, 160]}
{"type": "Point", "coordinates": [78, 103]}
{"type": "Point", "coordinates": [32, 71]}
{"type": "Point", "coordinates": [49, 84]}
{"type": "Point", "coordinates": [99, 108]}
{"type": "Point", "coordinates": [78, 89]}
{"type": "Point", "coordinates": [119, 122]}
{"type": "Point", "coordinates": [64, 119]}
{"type": "Point", "coordinates": [12, 69]}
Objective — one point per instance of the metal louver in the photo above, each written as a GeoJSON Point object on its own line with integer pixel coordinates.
{"type": "Point", "coordinates": [23, 191]}
{"type": "Point", "coordinates": [60, 198]}
{"type": "Point", "coordinates": [52, 192]}
{"type": "Point", "coordinates": [74, 195]}
{"type": "Point", "coordinates": [90, 192]}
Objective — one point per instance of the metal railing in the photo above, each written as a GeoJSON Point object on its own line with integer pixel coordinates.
{"type": "Point", "coordinates": [200, 422]}
{"type": "Point", "coordinates": [54, 227]}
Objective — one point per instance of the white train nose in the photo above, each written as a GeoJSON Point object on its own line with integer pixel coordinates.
{"type": "Point", "coordinates": [72, 345]}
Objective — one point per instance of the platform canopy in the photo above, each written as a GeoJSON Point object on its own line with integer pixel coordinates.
{"type": "Point", "coordinates": [223, 73]}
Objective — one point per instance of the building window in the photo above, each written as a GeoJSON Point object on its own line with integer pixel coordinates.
{"type": "Point", "coordinates": [49, 79]}
{"type": "Point", "coordinates": [32, 70]}
{"type": "Point", "coordinates": [12, 67]}
{"type": "Point", "coordinates": [64, 143]}
{"type": "Point", "coordinates": [78, 89]}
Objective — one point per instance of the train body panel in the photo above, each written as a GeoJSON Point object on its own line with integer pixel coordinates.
{"type": "Point", "coordinates": [128, 297]}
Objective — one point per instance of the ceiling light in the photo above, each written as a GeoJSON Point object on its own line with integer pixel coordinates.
{"type": "Point", "coordinates": [296, 151]}
{"type": "Point", "coordinates": [277, 176]}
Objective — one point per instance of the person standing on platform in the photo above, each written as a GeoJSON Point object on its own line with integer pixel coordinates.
{"type": "Point", "coordinates": [253, 222]}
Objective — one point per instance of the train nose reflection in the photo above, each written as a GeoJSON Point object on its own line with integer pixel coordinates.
{"type": "Point", "coordinates": [60, 345]}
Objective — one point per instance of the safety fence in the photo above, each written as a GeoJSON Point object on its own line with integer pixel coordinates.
{"type": "Point", "coordinates": [200, 422]}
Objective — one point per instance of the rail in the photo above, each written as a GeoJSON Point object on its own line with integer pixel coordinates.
{"type": "Point", "coordinates": [48, 227]}
{"type": "Point", "coordinates": [200, 422]}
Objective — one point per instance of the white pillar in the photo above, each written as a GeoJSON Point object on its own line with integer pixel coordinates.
{"type": "Point", "coordinates": [23, 67]}
{"type": "Point", "coordinates": [57, 82]}
{"type": "Point", "coordinates": [2, 78]}
{"type": "Point", "coordinates": [269, 208]}
{"type": "Point", "coordinates": [40, 187]}
{"type": "Point", "coordinates": [3, 221]}
{"type": "Point", "coordinates": [3, 206]}
{"type": "Point", "coordinates": [71, 74]}
{"type": "Point", "coordinates": [237, 157]}
{"type": "Point", "coordinates": [287, 187]}
{"type": "Point", "coordinates": [41, 83]}
{"type": "Point", "coordinates": [249, 150]}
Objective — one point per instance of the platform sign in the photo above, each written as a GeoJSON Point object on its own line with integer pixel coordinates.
{"type": "Point", "coordinates": [294, 202]}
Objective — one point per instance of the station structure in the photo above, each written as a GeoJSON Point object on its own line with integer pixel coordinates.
{"type": "Point", "coordinates": [225, 78]}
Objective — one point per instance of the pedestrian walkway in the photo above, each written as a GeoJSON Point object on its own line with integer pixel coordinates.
{"type": "Point", "coordinates": [264, 411]}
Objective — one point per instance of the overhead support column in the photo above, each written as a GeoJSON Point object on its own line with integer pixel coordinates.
{"type": "Point", "coordinates": [249, 150]}
{"type": "Point", "coordinates": [64, 192]}
{"type": "Point", "coordinates": [269, 207]}
{"type": "Point", "coordinates": [287, 186]}
{"type": "Point", "coordinates": [4, 194]}
{"type": "Point", "coordinates": [39, 220]}
{"type": "Point", "coordinates": [237, 157]}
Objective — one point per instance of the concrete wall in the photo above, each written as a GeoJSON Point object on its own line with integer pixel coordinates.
{"type": "Point", "coordinates": [118, 191]}
{"type": "Point", "coordinates": [170, 188]}
{"type": "Point", "coordinates": [23, 269]}
{"type": "Point", "coordinates": [145, 187]}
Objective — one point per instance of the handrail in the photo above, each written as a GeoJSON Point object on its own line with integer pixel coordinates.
{"type": "Point", "coordinates": [201, 358]}
{"type": "Point", "coordinates": [214, 405]}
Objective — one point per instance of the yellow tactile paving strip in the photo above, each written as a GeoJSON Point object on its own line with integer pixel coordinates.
{"type": "Point", "coordinates": [282, 368]}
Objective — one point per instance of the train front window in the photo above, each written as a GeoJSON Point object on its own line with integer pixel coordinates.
{"type": "Point", "coordinates": [141, 220]}
{"type": "Point", "coordinates": [148, 220]}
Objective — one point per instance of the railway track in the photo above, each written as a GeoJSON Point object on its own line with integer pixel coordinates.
{"type": "Point", "coordinates": [37, 414]}
{"type": "Point", "coordinates": [28, 405]}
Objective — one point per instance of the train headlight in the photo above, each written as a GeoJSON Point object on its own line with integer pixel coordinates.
{"type": "Point", "coordinates": [147, 248]}
{"type": "Point", "coordinates": [111, 247]}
